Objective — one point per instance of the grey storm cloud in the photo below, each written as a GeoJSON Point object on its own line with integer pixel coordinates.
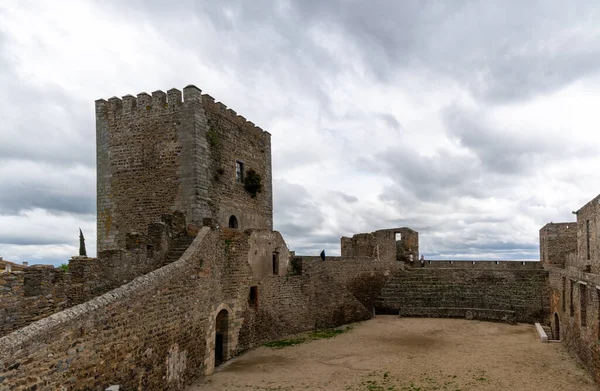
{"type": "Point", "coordinates": [42, 121]}
{"type": "Point", "coordinates": [327, 78]}
{"type": "Point", "coordinates": [504, 150]}
{"type": "Point", "coordinates": [501, 51]}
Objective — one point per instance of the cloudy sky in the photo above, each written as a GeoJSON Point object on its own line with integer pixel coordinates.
{"type": "Point", "coordinates": [474, 123]}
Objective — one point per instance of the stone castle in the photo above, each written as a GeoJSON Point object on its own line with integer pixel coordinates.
{"type": "Point", "coordinates": [190, 273]}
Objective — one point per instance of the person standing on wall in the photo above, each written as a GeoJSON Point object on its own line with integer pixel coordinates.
{"type": "Point", "coordinates": [422, 260]}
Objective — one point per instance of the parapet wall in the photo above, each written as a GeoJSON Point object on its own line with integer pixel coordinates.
{"type": "Point", "coordinates": [29, 295]}
{"type": "Point", "coordinates": [432, 292]}
{"type": "Point", "coordinates": [470, 264]}
{"type": "Point", "coordinates": [158, 331]}
{"type": "Point", "coordinates": [503, 291]}
{"type": "Point", "coordinates": [41, 290]}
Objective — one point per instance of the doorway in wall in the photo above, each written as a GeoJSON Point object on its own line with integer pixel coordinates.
{"type": "Point", "coordinates": [556, 330]}
{"type": "Point", "coordinates": [221, 326]}
{"type": "Point", "coordinates": [233, 223]}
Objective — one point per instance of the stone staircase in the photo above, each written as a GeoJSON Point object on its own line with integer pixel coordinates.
{"type": "Point", "coordinates": [180, 245]}
{"type": "Point", "coordinates": [550, 334]}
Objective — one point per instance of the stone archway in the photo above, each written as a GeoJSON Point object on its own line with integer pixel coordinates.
{"type": "Point", "coordinates": [221, 337]}
{"type": "Point", "coordinates": [233, 222]}
{"type": "Point", "coordinates": [556, 328]}
{"type": "Point", "coordinates": [224, 323]}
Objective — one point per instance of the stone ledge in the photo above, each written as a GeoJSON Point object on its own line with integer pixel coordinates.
{"type": "Point", "coordinates": [505, 316]}
{"type": "Point", "coordinates": [542, 334]}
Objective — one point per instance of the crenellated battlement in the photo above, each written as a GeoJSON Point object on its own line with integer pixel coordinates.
{"type": "Point", "coordinates": [144, 102]}
{"type": "Point", "coordinates": [231, 115]}
{"type": "Point", "coordinates": [173, 99]}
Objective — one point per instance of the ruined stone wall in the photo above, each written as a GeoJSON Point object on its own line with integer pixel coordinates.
{"type": "Point", "coordinates": [364, 277]}
{"type": "Point", "coordinates": [506, 290]}
{"type": "Point", "coordinates": [232, 139]}
{"type": "Point", "coordinates": [383, 245]}
{"type": "Point", "coordinates": [41, 290]}
{"type": "Point", "coordinates": [30, 295]}
{"type": "Point", "coordinates": [430, 291]}
{"type": "Point", "coordinates": [579, 334]}
{"type": "Point", "coordinates": [161, 153]}
{"type": "Point", "coordinates": [158, 331]}
{"type": "Point", "coordinates": [557, 241]}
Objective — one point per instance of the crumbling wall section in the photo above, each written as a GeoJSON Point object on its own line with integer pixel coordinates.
{"type": "Point", "coordinates": [41, 290]}
{"type": "Point", "coordinates": [394, 244]}
{"type": "Point", "coordinates": [30, 295]}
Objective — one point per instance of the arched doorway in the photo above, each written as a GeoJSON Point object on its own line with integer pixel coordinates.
{"type": "Point", "coordinates": [556, 330]}
{"type": "Point", "coordinates": [233, 223]}
{"type": "Point", "coordinates": [221, 326]}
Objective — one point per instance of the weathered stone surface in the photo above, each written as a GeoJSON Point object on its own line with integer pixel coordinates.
{"type": "Point", "coordinates": [394, 244]}
{"type": "Point", "coordinates": [159, 154]}
{"type": "Point", "coordinates": [572, 257]}
{"type": "Point", "coordinates": [158, 331]}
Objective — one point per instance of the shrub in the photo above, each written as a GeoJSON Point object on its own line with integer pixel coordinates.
{"type": "Point", "coordinates": [253, 183]}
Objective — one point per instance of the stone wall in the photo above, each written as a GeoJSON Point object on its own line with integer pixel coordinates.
{"type": "Point", "coordinates": [394, 244]}
{"type": "Point", "coordinates": [431, 292]}
{"type": "Point", "coordinates": [575, 321]}
{"type": "Point", "coordinates": [490, 291]}
{"type": "Point", "coordinates": [575, 285]}
{"type": "Point", "coordinates": [557, 240]}
{"type": "Point", "coordinates": [159, 331]}
{"type": "Point", "coordinates": [161, 153]}
{"type": "Point", "coordinates": [232, 139]}
{"type": "Point", "coordinates": [41, 290]}
{"type": "Point", "coordinates": [30, 295]}
{"type": "Point", "coordinates": [588, 239]}
{"type": "Point", "coordinates": [471, 264]}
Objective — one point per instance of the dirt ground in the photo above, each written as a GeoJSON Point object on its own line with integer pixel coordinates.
{"type": "Point", "coordinates": [395, 354]}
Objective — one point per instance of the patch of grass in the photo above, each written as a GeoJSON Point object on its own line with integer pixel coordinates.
{"type": "Point", "coordinates": [285, 343]}
{"type": "Point", "coordinates": [329, 333]}
{"type": "Point", "coordinates": [64, 266]}
{"type": "Point", "coordinates": [312, 336]}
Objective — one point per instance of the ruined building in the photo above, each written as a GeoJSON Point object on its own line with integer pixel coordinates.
{"type": "Point", "coordinates": [190, 272]}
{"type": "Point", "coordinates": [570, 252]}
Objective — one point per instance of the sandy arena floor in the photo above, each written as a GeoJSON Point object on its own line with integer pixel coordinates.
{"type": "Point", "coordinates": [394, 354]}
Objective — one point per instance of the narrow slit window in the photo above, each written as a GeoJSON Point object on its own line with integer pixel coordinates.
{"type": "Point", "coordinates": [587, 237]}
{"type": "Point", "coordinates": [253, 297]}
{"type": "Point", "coordinates": [239, 172]}
{"type": "Point", "coordinates": [564, 294]}
{"type": "Point", "coordinates": [571, 307]}
{"type": "Point", "coordinates": [583, 304]}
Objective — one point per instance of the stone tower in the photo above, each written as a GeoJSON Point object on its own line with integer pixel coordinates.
{"type": "Point", "coordinates": [164, 153]}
